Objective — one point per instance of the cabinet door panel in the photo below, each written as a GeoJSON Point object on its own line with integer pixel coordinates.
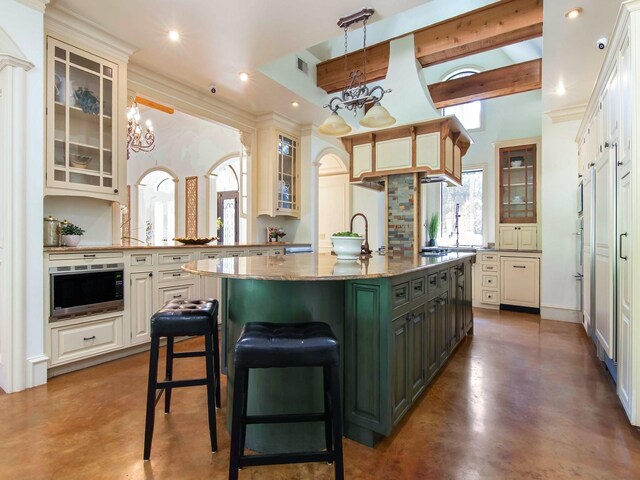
{"type": "Point", "coordinates": [443, 328]}
{"type": "Point", "coordinates": [527, 238]}
{"type": "Point", "coordinates": [417, 353]}
{"type": "Point", "coordinates": [428, 151]}
{"type": "Point", "coordinates": [393, 154]}
{"type": "Point", "coordinates": [508, 238]}
{"type": "Point", "coordinates": [400, 367]}
{"type": "Point", "coordinates": [362, 160]}
{"type": "Point", "coordinates": [520, 279]}
{"type": "Point", "coordinates": [432, 331]}
{"type": "Point", "coordinates": [624, 294]}
{"type": "Point", "coordinates": [140, 306]}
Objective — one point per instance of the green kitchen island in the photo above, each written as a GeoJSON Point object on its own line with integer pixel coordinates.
{"type": "Point", "coordinates": [398, 319]}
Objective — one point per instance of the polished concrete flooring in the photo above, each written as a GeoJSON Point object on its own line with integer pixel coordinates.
{"type": "Point", "coordinates": [521, 399]}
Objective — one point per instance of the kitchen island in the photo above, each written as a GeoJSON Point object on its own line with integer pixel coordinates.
{"type": "Point", "coordinates": [398, 319]}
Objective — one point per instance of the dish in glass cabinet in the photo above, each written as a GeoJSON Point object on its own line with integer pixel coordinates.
{"type": "Point", "coordinates": [79, 161]}
{"type": "Point", "coordinates": [195, 241]}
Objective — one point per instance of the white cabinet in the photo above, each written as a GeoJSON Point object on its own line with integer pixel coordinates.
{"type": "Point", "coordinates": [176, 292]}
{"type": "Point", "coordinates": [140, 305]}
{"type": "Point", "coordinates": [624, 293]}
{"type": "Point", "coordinates": [522, 237]}
{"type": "Point", "coordinates": [362, 159]}
{"type": "Point", "coordinates": [520, 281]}
{"type": "Point", "coordinates": [393, 154]}
{"type": "Point", "coordinates": [428, 151]}
{"type": "Point", "coordinates": [85, 152]}
{"type": "Point", "coordinates": [82, 340]}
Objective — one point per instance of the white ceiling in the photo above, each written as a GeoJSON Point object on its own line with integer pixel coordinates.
{"type": "Point", "coordinates": [220, 39]}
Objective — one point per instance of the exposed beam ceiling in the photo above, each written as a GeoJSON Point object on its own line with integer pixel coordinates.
{"type": "Point", "coordinates": [521, 77]}
{"type": "Point", "coordinates": [494, 26]}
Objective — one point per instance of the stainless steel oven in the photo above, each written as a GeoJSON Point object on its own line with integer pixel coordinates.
{"type": "Point", "coordinates": [79, 290]}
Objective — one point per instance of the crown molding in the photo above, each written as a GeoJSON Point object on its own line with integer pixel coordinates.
{"type": "Point", "coordinates": [279, 120]}
{"type": "Point", "coordinates": [187, 98]}
{"type": "Point", "coordinates": [38, 5]}
{"type": "Point", "coordinates": [60, 21]}
{"type": "Point", "coordinates": [10, 53]}
{"type": "Point", "coordinates": [567, 114]}
{"type": "Point", "coordinates": [11, 61]}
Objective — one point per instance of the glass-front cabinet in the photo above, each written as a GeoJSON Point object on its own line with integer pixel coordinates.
{"type": "Point", "coordinates": [82, 126]}
{"type": "Point", "coordinates": [517, 173]}
{"type": "Point", "coordinates": [287, 174]}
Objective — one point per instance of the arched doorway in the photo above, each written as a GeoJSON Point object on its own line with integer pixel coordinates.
{"type": "Point", "coordinates": [225, 202]}
{"type": "Point", "coordinates": [156, 222]}
{"type": "Point", "coordinates": [334, 199]}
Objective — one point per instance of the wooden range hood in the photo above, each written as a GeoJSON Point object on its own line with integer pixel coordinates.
{"type": "Point", "coordinates": [433, 149]}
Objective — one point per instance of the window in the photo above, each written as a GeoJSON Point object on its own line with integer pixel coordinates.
{"type": "Point", "coordinates": [156, 208]}
{"type": "Point", "coordinates": [469, 199]}
{"type": "Point", "coordinates": [470, 114]}
{"type": "Point", "coordinates": [226, 186]}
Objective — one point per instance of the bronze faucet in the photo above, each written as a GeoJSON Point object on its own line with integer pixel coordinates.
{"type": "Point", "coordinates": [364, 249]}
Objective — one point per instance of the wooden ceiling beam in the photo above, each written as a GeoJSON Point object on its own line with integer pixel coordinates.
{"type": "Point", "coordinates": [518, 78]}
{"type": "Point", "coordinates": [493, 26]}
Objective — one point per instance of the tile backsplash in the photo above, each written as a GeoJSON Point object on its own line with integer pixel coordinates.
{"type": "Point", "coordinates": [401, 213]}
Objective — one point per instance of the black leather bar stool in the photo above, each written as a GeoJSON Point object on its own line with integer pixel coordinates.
{"type": "Point", "coordinates": [273, 345]}
{"type": "Point", "coordinates": [176, 319]}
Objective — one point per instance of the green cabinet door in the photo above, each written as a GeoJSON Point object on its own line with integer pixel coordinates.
{"type": "Point", "coordinates": [444, 322]}
{"type": "Point", "coordinates": [431, 331]}
{"type": "Point", "coordinates": [468, 298]}
{"type": "Point", "coordinates": [417, 351]}
{"type": "Point", "coordinates": [454, 308]}
{"type": "Point", "coordinates": [400, 398]}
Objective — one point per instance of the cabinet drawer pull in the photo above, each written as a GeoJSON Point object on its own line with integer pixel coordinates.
{"type": "Point", "coordinates": [89, 255]}
{"type": "Point", "coordinates": [400, 294]}
{"type": "Point", "coordinates": [259, 254]}
{"type": "Point", "coordinates": [417, 288]}
{"type": "Point", "coordinates": [177, 274]}
{"type": "Point", "coordinates": [212, 256]}
{"type": "Point", "coordinates": [141, 259]}
{"type": "Point", "coordinates": [519, 266]}
{"type": "Point", "coordinates": [622, 257]}
{"type": "Point", "coordinates": [177, 258]}
{"type": "Point", "coordinates": [93, 337]}
{"type": "Point", "coordinates": [235, 255]}
{"type": "Point", "coordinates": [177, 296]}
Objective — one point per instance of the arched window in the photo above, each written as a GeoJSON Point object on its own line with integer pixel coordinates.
{"type": "Point", "coordinates": [157, 208]}
{"type": "Point", "coordinates": [470, 114]}
{"type": "Point", "coordinates": [226, 185]}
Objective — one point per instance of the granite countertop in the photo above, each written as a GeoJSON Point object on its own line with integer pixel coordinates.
{"type": "Point", "coordinates": [317, 266]}
{"type": "Point", "coordinates": [508, 250]}
{"type": "Point", "coordinates": [100, 248]}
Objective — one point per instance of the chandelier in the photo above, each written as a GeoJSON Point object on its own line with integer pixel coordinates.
{"type": "Point", "coordinates": [137, 140]}
{"type": "Point", "coordinates": [356, 94]}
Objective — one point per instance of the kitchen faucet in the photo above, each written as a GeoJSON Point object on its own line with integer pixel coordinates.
{"type": "Point", "coordinates": [456, 230]}
{"type": "Point", "coordinates": [364, 249]}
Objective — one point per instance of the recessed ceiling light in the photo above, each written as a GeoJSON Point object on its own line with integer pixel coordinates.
{"type": "Point", "coordinates": [244, 76]}
{"type": "Point", "coordinates": [561, 90]}
{"type": "Point", "coordinates": [573, 13]}
{"type": "Point", "coordinates": [174, 36]}
{"type": "Point", "coordinates": [295, 104]}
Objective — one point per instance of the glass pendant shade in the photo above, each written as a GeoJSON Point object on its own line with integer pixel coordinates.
{"type": "Point", "coordinates": [335, 125]}
{"type": "Point", "coordinates": [377, 117]}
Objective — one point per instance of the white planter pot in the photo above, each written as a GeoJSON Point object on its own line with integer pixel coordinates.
{"type": "Point", "coordinates": [347, 248]}
{"type": "Point", "coordinates": [71, 240]}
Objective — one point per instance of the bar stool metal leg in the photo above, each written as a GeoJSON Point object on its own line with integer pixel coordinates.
{"type": "Point", "coordinates": [236, 420]}
{"type": "Point", "coordinates": [168, 375]}
{"type": "Point", "coordinates": [151, 396]}
{"type": "Point", "coordinates": [328, 430]}
{"type": "Point", "coordinates": [336, 419]}
{"type": "Point", "coordinates": [208, 344]}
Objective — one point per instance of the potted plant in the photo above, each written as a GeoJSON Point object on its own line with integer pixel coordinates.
{"type": "Point", "coordinates": [434, 223]}
{"type": "Point", "coordinates": [347, 245]}
{"type": "Point", "coordinates": [71, 234]}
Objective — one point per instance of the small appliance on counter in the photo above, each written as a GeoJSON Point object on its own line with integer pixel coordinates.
{"type": "Point", "coordinates": [51, 232]}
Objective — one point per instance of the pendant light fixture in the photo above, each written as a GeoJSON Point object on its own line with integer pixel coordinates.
{"type": "Point", "coordinates": [356, 94]}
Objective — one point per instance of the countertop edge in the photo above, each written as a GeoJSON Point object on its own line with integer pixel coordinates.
{"type": "Point", "coordinates": [105, 248]}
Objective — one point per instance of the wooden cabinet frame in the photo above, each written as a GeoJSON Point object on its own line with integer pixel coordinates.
{"type": "Point", "coordinates": [505, 181]}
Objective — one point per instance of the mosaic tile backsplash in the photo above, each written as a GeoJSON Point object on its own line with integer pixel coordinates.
{"type": "Point", "coordinates": [401, 214]}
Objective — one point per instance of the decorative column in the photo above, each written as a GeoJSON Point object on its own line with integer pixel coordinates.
{"type": "Point", "coordinates": [247, 171]}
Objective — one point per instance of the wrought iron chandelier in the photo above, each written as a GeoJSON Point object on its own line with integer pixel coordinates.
{"type": "Point", "coordinates": [356, 94]}
{"type": "Point", "coordinates": [137, 139]}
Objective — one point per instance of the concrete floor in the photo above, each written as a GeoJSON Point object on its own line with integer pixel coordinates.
{"type": "Point", "coordinates": [522, 399]}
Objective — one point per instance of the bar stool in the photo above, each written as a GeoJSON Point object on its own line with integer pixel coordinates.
{"type": "Point", "coordinates": [176, 319]}
{"type": "Point", "coordinates": [272, 345]}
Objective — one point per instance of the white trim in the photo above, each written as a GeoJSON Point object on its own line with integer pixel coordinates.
{"type": "Point", "coordinates": [65, 24]}
{"type": "Point", "coordinates": [37, 370]}
{"type": "Point", "coordinates": [567, 114]}
{"type": "Point", "coordinates": [560, 314]}
{"type": "Point", "coordinates": [38, 5]}
{"type": "Point", "coordinates": [11, 55]}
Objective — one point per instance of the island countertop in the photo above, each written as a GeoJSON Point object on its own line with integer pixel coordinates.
{"type": "Point", "coordinates": [318, 266]}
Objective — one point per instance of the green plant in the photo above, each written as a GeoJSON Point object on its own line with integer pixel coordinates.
{"type": "Point", "coordinates": [71, 229]}
{"type": "Point", "coordinates": [346, 234]}
{"type": "Point", "coordinates": [434, 223]}
{"type": "Point", "coordinates": [218, 223]}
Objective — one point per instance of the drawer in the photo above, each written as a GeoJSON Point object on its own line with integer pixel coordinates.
{"type": "Point", "coordinates": [75, 342]}
{"type": "Point", "coordinates": [174, 258]}
{"type": "Point", "coordinates": [490, 268]}
{"type": "Point", "coordinates": [210, 255]}
{"type": "Point", "coordinates": [490, 297]}
{"type": "Point", "coordinates": [87, 256]}
{"type": "Point", "coordinates": [142, 259]}
{"type": "Point", "coordinates": [259, 253]}
{"type": "Point", "coordinates": [177, 292]}
{"type": "Point", "coordinates": [490, 281]}
{"type": "Point", "coordinates": [234, 253]}
{"type": "Point", "coordinates": [277, 251]}
{"type": "Point", "coordinates": [432, 282]}
{"type": "Point", "coordinates": [418, 288]}
{"type": "Point", "coordinates": [168, 276]}
{"type": "Point", "coordinates": [443, 279]}
{"type": "Point", "coordinates": [488, 257]}
{"type": "Point", "coordinates": [400, 295]}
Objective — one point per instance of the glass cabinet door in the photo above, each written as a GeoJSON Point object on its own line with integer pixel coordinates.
{"type": "Point", "coordinates": [80, 104]}
{"type": "Point", "coordinates": [287, 199]}
{"type": "Point", "coordinates": [518, 184]}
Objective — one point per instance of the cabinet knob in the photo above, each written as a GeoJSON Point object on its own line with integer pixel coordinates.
{"type": "Point", "coordinates": [151, 274]}
{"type": "Point", "coordinates": [115, 190]}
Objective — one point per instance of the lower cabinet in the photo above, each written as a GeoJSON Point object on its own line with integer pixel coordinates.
{"type": "Point", "coordinates": [520, 281]}
{"type": "Point", "coordinates": [80, 340]}
{"type": "Point", "coordinates": [176, 292]}
{"type": "Point", "coordinates": [140, 306]}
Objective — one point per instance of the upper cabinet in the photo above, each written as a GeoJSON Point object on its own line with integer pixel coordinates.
{"type": "Point", "coordinates": [279, 173]}
{"type": "Point", "coordinates": [85, 135]}
{"type": "Point", "coordinates": [433, 148]}
{"type": "Point", "coordinates": [517, 171]}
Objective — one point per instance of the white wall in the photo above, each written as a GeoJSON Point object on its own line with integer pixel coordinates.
{"type": "Point", "coordinates": [559, 298]}
{"type": "Point", "coordinates": [21, 318]}
{"type": "Point", "coordinates": [94, 215]}
{"type": "Point", "coordinates": [372, 204]}
{"type": "Point", "coordinates": [187, 146]}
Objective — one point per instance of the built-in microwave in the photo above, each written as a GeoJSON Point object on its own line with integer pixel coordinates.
{"type": "Point", "coordinates": [80, 290]}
